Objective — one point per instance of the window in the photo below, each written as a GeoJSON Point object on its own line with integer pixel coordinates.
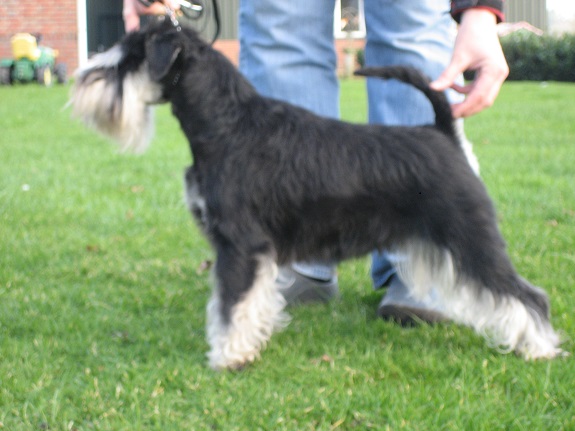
{"type": "Point", "coordinates": [349, 19]}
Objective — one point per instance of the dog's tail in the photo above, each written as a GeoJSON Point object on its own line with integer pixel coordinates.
{"type": "Point", "coordinates": [410, 75]}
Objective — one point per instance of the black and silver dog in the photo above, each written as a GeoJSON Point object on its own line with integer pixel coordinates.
{"type": "Point", "coordinates": [272, 183]}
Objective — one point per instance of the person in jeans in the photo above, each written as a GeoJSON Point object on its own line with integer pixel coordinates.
{"type": "Point", "coordinates": [287, 52]}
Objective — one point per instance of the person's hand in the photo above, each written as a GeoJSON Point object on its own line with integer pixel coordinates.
{"type": "Point", "coordinates": [477, 48]}
{"type": "Point", "coordinates": [157, 7]}
{"type": "Point", "coordinates": [133, 9]}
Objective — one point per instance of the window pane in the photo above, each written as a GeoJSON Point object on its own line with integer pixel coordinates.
{"type": "Point", "coordinates": [350, 19]}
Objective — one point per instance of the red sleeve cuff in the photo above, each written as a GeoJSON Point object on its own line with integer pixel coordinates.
{"type": "Point", "coordinates": [493, 6]}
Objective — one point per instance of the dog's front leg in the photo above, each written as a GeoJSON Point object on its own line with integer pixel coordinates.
{"type": "Point", "coordinates": [244, 310]}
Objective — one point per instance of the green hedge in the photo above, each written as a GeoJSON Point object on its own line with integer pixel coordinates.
{"type": "Point", "coordinates": [540, 58]}
{"type": "Point", "coordinates": [533, 58]}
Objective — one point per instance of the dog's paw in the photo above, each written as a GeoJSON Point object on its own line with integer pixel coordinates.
{"type": "Point", "coordinates": [224, 359]}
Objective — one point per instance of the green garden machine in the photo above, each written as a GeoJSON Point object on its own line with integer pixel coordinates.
{"type": "Point", "coordinates": [31, 62]}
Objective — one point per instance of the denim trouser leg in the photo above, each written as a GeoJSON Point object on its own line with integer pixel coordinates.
{"type": "Point", "coordinates": [287, 52]}
{"type": "Point", "coordinates": [419, 33]}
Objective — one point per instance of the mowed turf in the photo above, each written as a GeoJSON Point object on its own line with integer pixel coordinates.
{"type": "Point", "coordinates": [104, 281]}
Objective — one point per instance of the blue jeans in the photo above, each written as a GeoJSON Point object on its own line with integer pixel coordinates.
{"type": "Point", "coordinates": [287, 52]}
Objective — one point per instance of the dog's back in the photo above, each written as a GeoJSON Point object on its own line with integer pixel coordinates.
{"type": "Point", "coordinates": [412, 76]}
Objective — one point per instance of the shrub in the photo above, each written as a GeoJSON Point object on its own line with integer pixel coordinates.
{"type": "Point", "coordinates": [540, 58]}
{"type": "Point", "coordinates": [533, 58]}
{"type": "Point", "coordinates": [360, 57]}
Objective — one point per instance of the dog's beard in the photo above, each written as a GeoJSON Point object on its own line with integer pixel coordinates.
{"type": "Point", "coordinates": [122, 113]}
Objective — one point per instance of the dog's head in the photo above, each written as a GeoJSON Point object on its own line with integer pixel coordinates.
{"type": "Point", "coordinates": [114, 91]}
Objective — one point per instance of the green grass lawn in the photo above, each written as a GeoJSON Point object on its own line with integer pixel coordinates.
{"type": "Point", "coordinates": [103, 292]}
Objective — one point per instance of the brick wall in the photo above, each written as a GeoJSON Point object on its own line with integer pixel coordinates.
{"type": "Point", "coordinates": [230, 48]}
{"type": "Point", "coordinates": [55, 21]}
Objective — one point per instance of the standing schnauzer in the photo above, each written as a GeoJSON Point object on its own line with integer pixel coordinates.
{"type": "Point", "coordinates": [272, 183]}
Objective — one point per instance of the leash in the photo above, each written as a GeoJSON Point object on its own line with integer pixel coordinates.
{"type": "Point", "coordinates": [171, 13]}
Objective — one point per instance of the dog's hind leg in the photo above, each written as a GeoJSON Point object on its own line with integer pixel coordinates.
{"type": "Point", "coordinates": [244, 310]}
{"type": "Point", "coordinates": [513, 320]}
{"type": "Point", "coordinates": [511, 314]}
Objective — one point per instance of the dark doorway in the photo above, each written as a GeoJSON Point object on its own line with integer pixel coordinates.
{"type": "Point", "coordinates": [104, 24]}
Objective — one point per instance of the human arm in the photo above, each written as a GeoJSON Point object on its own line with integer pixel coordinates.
{"type": "Point", "coordinates": [477, 47]}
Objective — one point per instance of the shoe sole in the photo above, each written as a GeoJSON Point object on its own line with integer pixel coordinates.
{"type": "Point", "coordinates": [303, 290]}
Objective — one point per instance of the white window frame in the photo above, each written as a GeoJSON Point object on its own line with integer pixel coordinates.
{"type": "Point", "coordinates": [337, 30]}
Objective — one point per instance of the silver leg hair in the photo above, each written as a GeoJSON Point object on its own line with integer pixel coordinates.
{"type": "Point", "coordinates": [507, 323]}
{"type": "Point", "coordinates": [252, 322]}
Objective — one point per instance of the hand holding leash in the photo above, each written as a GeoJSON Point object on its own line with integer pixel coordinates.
{"type": "Point", "coordinates": [191, 9]}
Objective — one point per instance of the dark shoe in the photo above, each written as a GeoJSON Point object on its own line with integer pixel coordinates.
{"type": "Point", "coordinates": [398, 305]}
{"type": "Point", "coordinates": [298, 289]}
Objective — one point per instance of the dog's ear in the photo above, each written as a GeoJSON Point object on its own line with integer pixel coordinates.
{"type": "Point", "coordinates": [161, 53]}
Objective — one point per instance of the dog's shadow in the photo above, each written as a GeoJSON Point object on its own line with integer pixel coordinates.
{"type": "Point", "coordinates": [349, 326]}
